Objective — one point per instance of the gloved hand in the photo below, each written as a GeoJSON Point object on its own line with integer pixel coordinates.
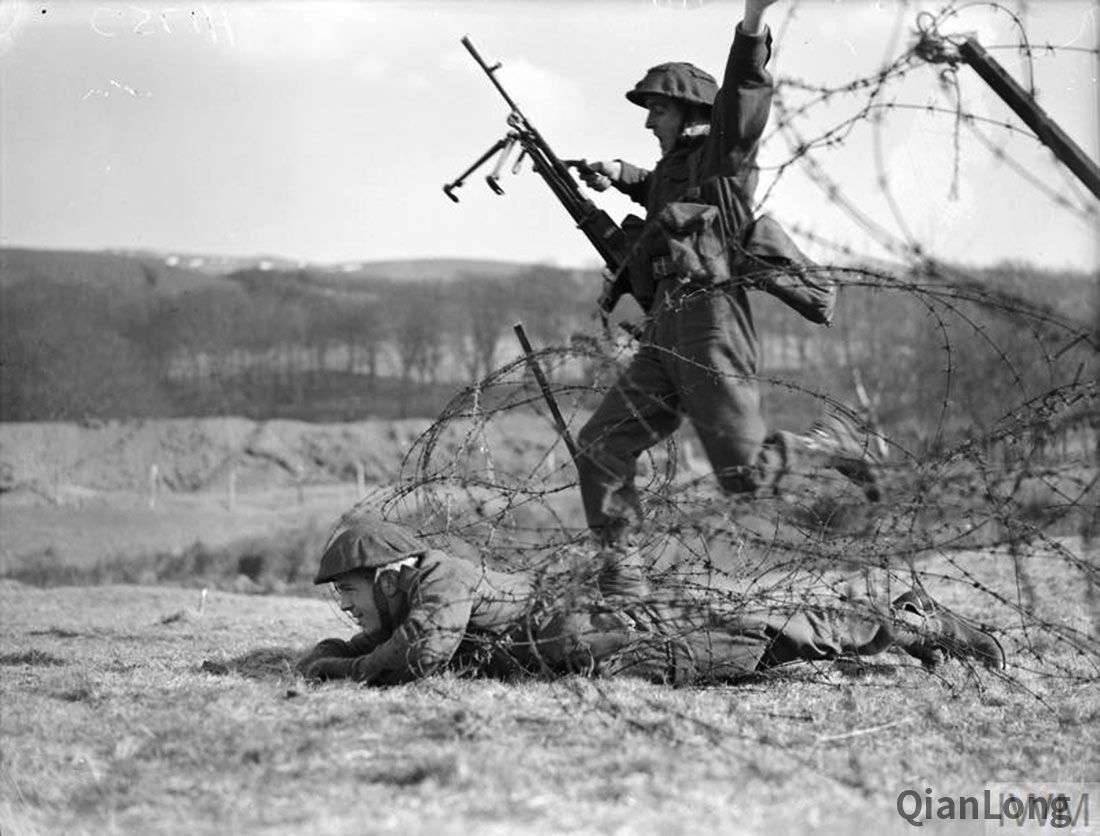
{"type": "Point", "coordinates": [327, 649]}
{"type": "Point", "coordinates": [599, 176]}
{"type": "Point", "coordinates": [330, 667]}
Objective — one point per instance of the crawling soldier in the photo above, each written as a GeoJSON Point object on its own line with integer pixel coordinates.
{"type": "Point", "coordinates": [421, 610]}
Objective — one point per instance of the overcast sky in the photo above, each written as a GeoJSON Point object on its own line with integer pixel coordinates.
{"type": "Point", "coordinates": [324, 131]}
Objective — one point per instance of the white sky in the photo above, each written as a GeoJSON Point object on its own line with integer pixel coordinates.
{"type": "Point", "coordinates": [323, 131]}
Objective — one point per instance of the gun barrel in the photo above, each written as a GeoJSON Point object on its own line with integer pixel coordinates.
{"type": "Point", "coordinates": [491, 72]}
{"type": "Point", "coordinates": [466, 42]}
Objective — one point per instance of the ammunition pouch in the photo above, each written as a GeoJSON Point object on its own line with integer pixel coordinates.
{"type": "Point", "coordinates": [692, 248]}
{"type": "Point", "coordinates": [697, 252]}
{"type": "Point", "coordinates": [691, 237]}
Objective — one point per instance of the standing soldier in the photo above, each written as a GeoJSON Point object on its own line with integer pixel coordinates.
{"type": "Point", "coordinates": [421, 610]}
{"type": "Point", "coordinates": [699, 354]}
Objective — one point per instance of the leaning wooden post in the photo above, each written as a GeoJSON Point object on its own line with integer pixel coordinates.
{"type": "Point", "coordinates": [544, 385]}
{"type": "Point", "coordinates": [1025, 106]}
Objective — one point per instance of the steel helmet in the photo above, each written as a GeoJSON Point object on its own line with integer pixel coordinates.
{"type": "Point", "coordinates": [677, 80]}
{"type": "Point", "coordinates": [367, 542]}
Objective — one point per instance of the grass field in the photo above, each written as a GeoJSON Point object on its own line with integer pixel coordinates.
{"type": "Point", "coordinates": [131, 704]}
{"type": "Point", "coordinates": [136, 710]}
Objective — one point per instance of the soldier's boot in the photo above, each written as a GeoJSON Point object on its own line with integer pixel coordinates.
{"type": "Point", "coordinates": [931, 632]}
{"type": "Point", "coordinates": [852, 451]}
{"type": "Point", "coordinates": [622, 574]}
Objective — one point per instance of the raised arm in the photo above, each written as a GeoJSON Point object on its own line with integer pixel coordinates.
{"type": "Point", "coordinates": [752, 21]}
{"type": "Point", "coordinates": [744, 101]}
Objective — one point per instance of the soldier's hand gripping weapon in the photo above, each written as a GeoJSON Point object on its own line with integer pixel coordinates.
{"type": "Point", "coordinates": [604, 234]}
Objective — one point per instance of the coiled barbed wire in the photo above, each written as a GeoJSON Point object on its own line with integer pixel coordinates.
{"type": "Point", "coordinates": [991, 506]}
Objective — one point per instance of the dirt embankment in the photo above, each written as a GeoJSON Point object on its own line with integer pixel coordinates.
{"type": "Point", "coordinates": [165, 500]}
{"type": "Point", "coordinates": [47, 462]}
{"type": "Point", "coordinates": [75, 498]}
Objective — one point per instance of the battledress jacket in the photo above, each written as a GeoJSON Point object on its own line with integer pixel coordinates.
{"type": "Point", "coordinates": [447, 612]}
{"type": "Point", "coordinates": [698, 204]}
{"type": "Point", "coordinates": [436, 601]}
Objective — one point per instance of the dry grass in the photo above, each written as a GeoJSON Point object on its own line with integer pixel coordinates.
{"type": "Point", "coordinates": [113, 724]}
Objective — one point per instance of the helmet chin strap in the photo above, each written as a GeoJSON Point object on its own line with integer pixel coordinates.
{"type": "Point", "coordinates": [382, 583]}
{"type": "Point", "coordinates": [382, 604]}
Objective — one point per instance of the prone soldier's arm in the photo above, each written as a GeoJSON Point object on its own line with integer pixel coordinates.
{"type": "Point", "coordinates": [441, 596]}
{"type": "Point", "coordinates": [358, 645]}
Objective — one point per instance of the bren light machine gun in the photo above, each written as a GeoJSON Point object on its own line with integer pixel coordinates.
{"type": "Point", "coordinates": [604, 234]}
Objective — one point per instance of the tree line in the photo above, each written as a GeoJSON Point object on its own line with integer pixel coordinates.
{"type": "Point", "coordinates": [319, 346]}
{"type": "Point", "coordinates": [269, 342]}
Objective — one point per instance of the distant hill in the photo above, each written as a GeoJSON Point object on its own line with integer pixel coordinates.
{"type": "Point", "coordinates": [149, 275]}
{"type": "Point", "coordinates": [145, 275]}
{"type": "Point", "coordinates": [412, 269]}
{"type": "Point", "coordinates": [216, 265]}
{"type": "Point", "coordinates": [153, 273]}
{"type": "Point", "coordinates": [429, 269]}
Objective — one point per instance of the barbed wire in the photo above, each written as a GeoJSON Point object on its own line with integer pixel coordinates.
{"type": "Point", "coordinates": [987, 400]}
{"type": "Point", "coordinates": [931, 47]}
